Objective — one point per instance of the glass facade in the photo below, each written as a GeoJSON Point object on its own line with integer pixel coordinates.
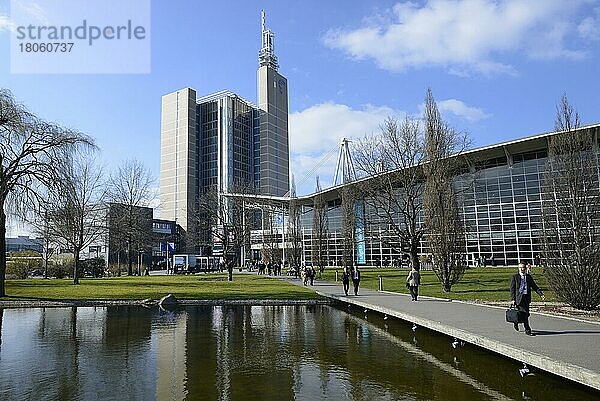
{"type": "Point", "coordinates": [207, 139]}
{"type": "Point", "coordinates": [500, 202]}
{"type": "Point", "coordinates": [241, 143]}
{"type": "Point", "coordinates": [226, 122]}
{"type": "Point", "coordinates": [501, 210]}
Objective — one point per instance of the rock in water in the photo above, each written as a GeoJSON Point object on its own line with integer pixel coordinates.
{"type": "Point", "coordinates": [168, 300]}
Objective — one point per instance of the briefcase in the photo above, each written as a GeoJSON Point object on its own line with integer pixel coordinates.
{"type": "Point", "coordinates": [513, 315]}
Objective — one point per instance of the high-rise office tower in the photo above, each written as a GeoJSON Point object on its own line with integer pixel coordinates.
{"type": "Point", "coordinates": [273, 112]}
{"type": "Point", "coordinates": [225, 142]}
{"type": "Point", "coordinates": [178, 156]}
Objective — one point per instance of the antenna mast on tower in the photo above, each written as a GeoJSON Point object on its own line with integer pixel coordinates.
{"type": "Point", "coordinates": [266, 55]}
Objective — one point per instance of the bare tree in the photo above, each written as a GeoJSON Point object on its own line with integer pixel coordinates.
{"type": "Point", "coordinates": [445, 230]}
{"type": "Point", "coordinates": [248, 222]}
{"type": "Point", "coordinates": [392, 161]}
{"type": "Point", "coordinates": [77, 213]}
{"type": "Point", "coordinates": [571, 212]}
{"type": "Point", "coordinates": [130, 191]}
{"type": "Point", "coordinates": [30, 151]}
{"type": "Point", "coordinates": [348, 198]}
{"type": "Point", "coordinates": [320, 234]}
{"type": "Point", "coordinates": [246, 218]}
{"type": "Point", "coordinates": [294, 235]}
{"type": "Point", "coordinates": [40, 221]}
{"type": "Point", "coordinates": [269, 243]}
{"type": "Point", "coordinates": [223, 219]}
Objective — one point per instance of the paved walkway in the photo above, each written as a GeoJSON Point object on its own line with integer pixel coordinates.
{"type": "Point", "coordinates": [566, 347]}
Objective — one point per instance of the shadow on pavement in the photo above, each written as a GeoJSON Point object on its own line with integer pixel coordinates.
{"type": "Point", "coordinates": [551, 333]}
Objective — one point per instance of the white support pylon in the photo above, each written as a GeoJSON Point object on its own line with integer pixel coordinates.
{"type": "Point", "coordinates": [345, 166]}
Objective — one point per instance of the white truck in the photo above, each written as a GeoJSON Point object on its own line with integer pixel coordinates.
{"type": "Point", "coordinates": [183, 263]}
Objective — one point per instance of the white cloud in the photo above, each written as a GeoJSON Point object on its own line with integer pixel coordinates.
{"type": "Point", "coordinates": [305, 171]}
{"type": "Point", "coordinates": [460, 109]}
{"type": "Point", "coordinates": [30, 9]}
{"type": "Point", "coordinates": [33, 10]}
{"type": "Point", "coordinates": [317, 131]}
{"type": "Point", "coordinates": [589, 28]}
{"type": "Point", "coordinates": [6, 24]}
{"type": "Point", "coordinates": [323, 126]}
{"type": "Point", "coordinates": [463, 35]}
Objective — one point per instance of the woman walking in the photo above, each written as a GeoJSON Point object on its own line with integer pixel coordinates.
{"type": "Point", "coordinates": [412, 282]}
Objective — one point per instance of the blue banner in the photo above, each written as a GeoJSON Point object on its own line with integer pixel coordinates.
{"type": "Point", "coordinates": [279, 219]}
{"type": "Point", "coordinates": [359, 214]}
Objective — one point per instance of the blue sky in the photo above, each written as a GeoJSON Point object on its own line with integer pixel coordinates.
{"type": "Point", "coordinates": [497, 69]}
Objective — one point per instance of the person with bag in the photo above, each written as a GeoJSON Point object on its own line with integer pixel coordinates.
{"type": "Point", "coordinates": [412, 283]}
{"type": "Point", "coordinates": [521, 286]}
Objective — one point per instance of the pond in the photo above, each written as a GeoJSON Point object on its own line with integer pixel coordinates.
{"type": "Point", "coordinates": [249, 353]}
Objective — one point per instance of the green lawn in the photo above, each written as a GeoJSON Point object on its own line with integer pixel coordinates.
{"type": "Point", "coordinates": [486, 284]}
{"type": "Point", "coordinates": [203, 286]}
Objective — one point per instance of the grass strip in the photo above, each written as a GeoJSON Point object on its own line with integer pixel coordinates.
{"type": "Point", "coordinates": [481, 284]}
{"type": "Point", "coordinates": [202, 286]}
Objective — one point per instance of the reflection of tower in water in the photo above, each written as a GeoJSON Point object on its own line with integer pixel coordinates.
{"type": "Point", "coordinates": [171, 358]}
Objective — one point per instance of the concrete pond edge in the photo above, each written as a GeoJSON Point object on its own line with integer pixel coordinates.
{"type": "Point", "coordinates": [152, 302]}
{"type": "Point", "coordinates": [559, 368]}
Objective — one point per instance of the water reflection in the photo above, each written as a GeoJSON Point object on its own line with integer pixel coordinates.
{"type": "Point", "coordinates": [243, 353]}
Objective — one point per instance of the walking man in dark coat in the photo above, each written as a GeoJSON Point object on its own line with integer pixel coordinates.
{"type": "Point", "coordinates": [521, 286]}
{"type": "Point", "coordinates": [346, 280]}
{"type": "Point", "coordinates": [356, 279]}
